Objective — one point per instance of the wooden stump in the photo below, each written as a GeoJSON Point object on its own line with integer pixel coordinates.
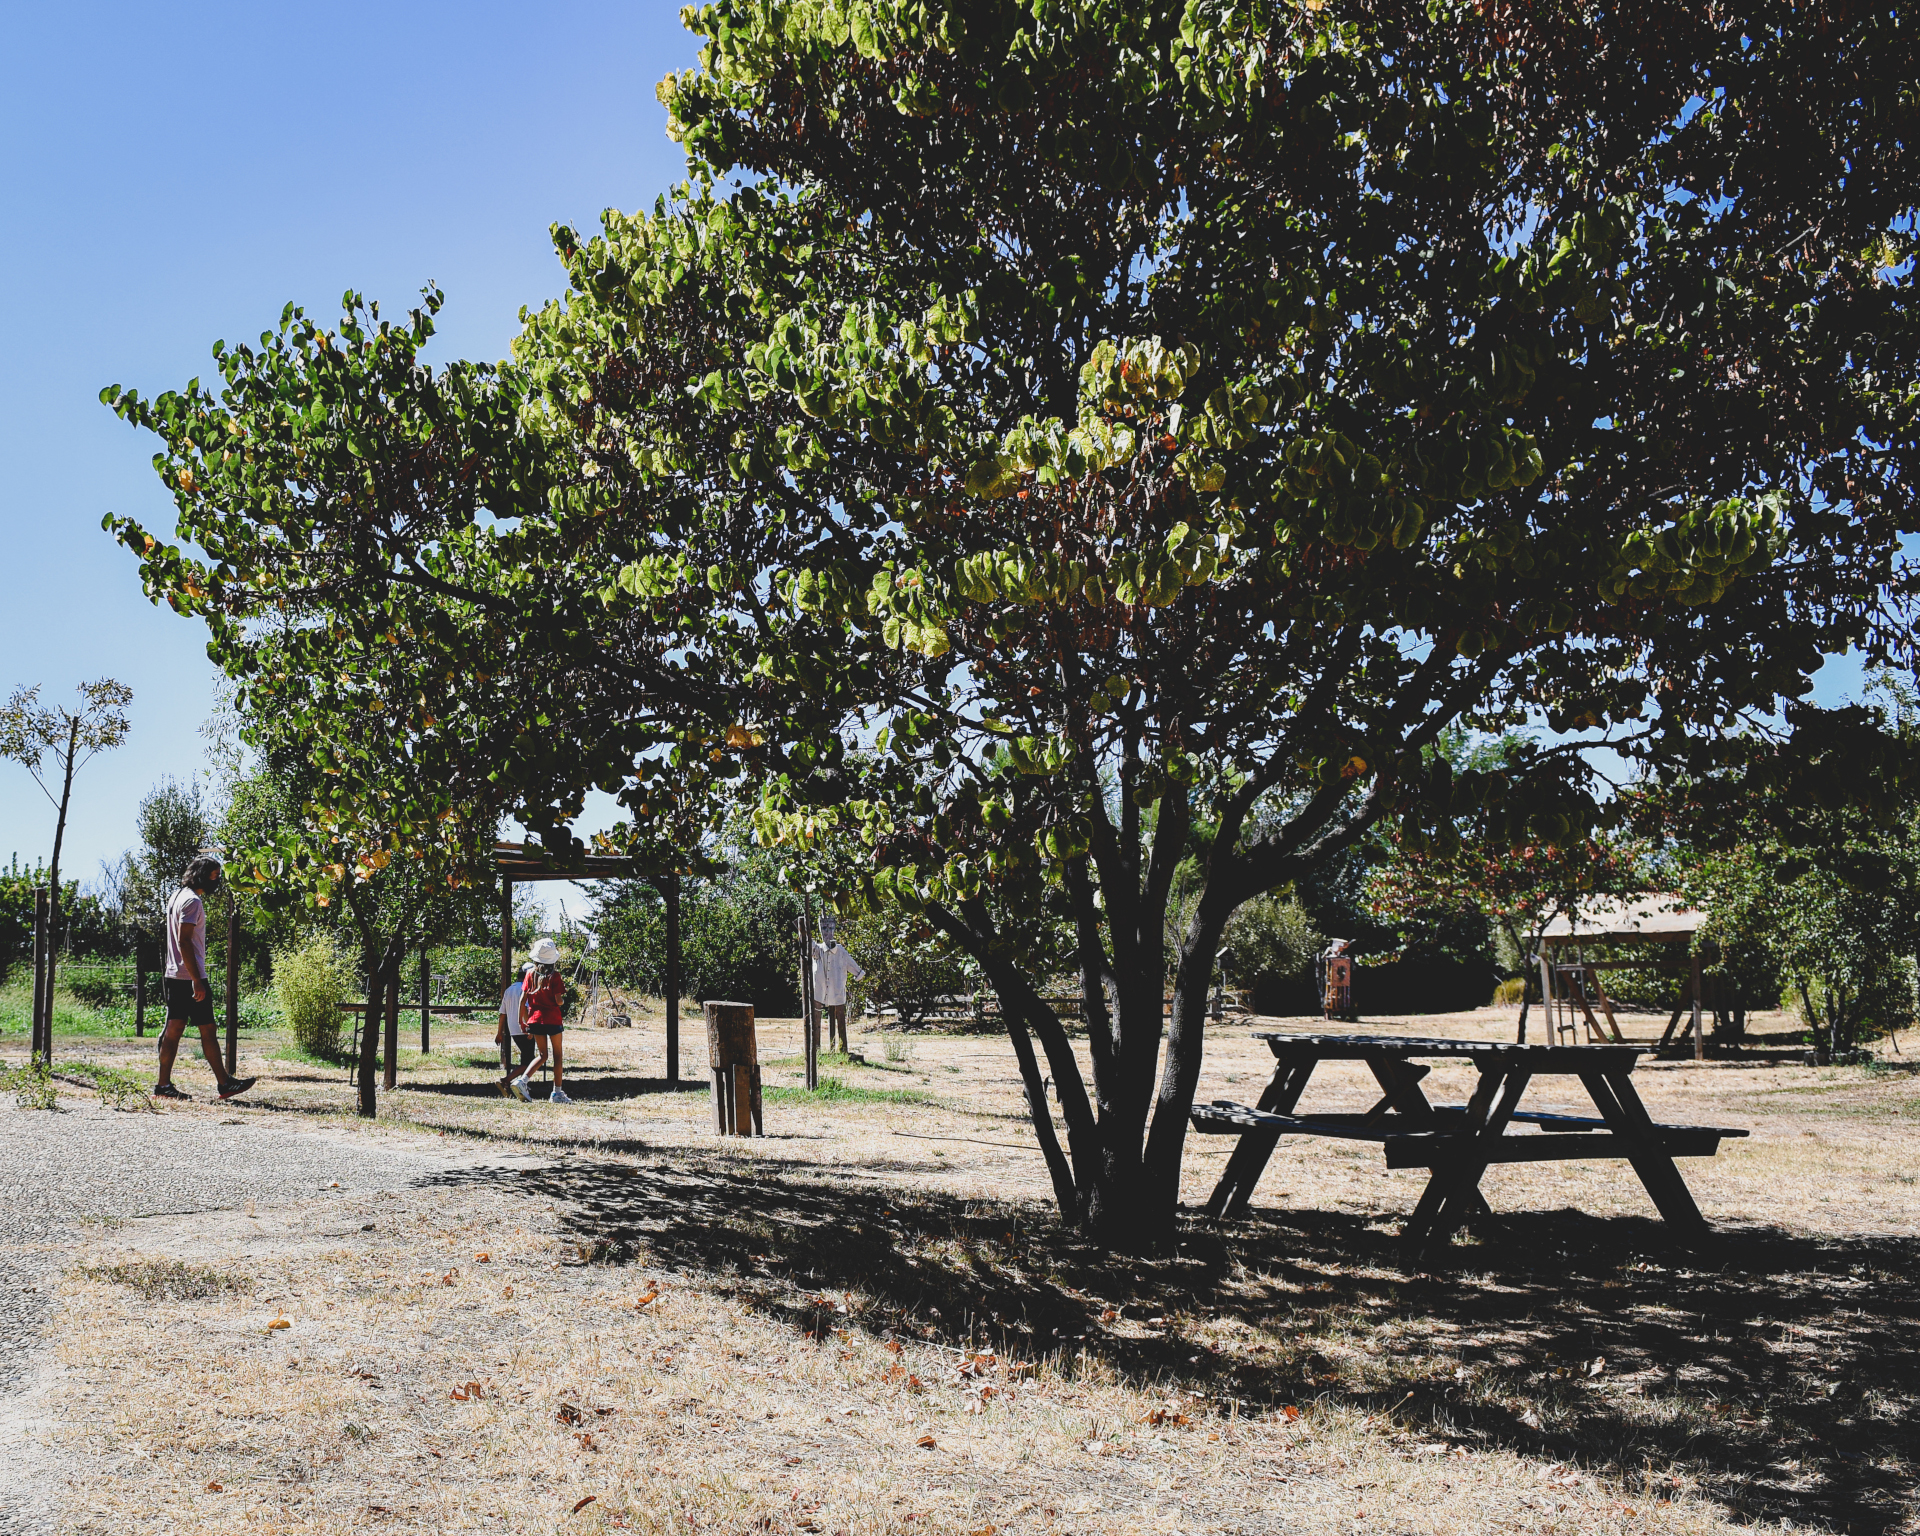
{"type": "Point", "coordinates": [733, 1060]}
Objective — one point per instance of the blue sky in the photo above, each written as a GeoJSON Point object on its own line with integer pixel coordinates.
{"type": "Point", "coordinates": [174, 174]}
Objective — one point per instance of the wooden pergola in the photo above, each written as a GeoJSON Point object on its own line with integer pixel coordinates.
{"type": "Point", "coordinates": [516, 864]}
{"type": "Point", "coordinates": [1571, 984]}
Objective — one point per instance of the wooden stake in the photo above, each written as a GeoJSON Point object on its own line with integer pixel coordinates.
{"type": "Point", "coordinates": [733, 1063]}
{"type": "Point", "coordinates": [426, 1011]}
{"type": "Point", "coordinates": [808, 1007]}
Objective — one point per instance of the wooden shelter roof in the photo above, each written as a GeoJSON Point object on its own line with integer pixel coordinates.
{"type": "Point", "coordinates": [1649, 919]}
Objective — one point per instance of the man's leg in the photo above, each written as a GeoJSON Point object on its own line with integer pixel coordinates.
{"type": "Point", "coordinates": [169, 1048]}
{"type": "Point", "coordinates": [210, 1048]}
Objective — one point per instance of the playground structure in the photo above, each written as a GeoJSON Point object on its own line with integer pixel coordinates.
{"type": "Point", "coordinates": [1573, 991]}
{"type": "Point", "coordinates": [1335, 967]}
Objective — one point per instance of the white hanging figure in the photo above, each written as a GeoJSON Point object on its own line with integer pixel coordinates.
{"type": "Point", "coordinates": [832, 967]}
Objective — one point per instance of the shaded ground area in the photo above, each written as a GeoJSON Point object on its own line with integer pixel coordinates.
{"type": "Point", "coordinates": [1779, 1372]}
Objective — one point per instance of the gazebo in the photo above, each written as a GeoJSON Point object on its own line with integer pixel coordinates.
{"type": "Point", "coordinates": [1570, 981]}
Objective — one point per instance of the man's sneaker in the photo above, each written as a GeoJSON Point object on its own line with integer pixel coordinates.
{"type": "Point", "coordinates": [233, 1087]}
{"type": "Point", "coordinates": [519, 1087]}
{"type": "Point", "coordinates": [559, 1096]}
{"type": "Point", "coordinates": [168, 1091]}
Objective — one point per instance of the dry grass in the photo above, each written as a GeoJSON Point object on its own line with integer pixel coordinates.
{"type": "Point", "coordinates": [883, 1267]}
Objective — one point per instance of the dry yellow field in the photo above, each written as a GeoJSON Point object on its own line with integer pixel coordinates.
{"type": "Point", "coordinates": [599, 1318]}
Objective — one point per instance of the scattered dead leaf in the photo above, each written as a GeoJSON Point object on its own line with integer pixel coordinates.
{"type": "Point", "coordinates": [278, 1322]}
{"type": "Point", "coordinates": [469, 1392]}
{"type": "Point", "coordinates": [1290, 1412]}
{"type": "Point", "coordinates": [483, 1258]}
{"type": "Point", "coordinates": [566, 1413]}
{"type": "Point", "coordinates": [215, 1488]}
{"type": "Point", "coordinates": [583, 1503]}
{"type": "Point", "coordinates": [927, 1443]}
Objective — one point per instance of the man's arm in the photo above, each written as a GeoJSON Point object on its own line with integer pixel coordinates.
{"type": "Point", "coordinates": [190, 956]}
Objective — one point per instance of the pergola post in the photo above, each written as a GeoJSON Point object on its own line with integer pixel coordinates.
{"type": "Point", "coordinates": [670, 892]}
{"type": "Point", "coordinates": [391, 1054]}
{"type": "Point", "coordinates": [426, 1011]}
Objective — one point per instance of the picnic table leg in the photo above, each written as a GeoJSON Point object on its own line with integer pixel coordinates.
{"type": "Point", "coordinates": [1619, 1104]}
{"type": "Point", "coordinates": [1399, 1082]}
{"type": "Point", "coordinates": [1445, 1203]}
{"type": "Point", "coordinates": [1250, 1157]}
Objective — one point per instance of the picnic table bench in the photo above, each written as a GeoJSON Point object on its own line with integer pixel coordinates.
{"type": "Point", "coordinates": [1459, 1142]}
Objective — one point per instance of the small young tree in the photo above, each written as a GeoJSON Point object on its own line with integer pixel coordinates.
{"type": "Point", "coordinates": [54, 744]}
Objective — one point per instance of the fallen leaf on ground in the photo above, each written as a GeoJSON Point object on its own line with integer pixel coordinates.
{"type": "Point", "coordinates": [483, 1258]}
{"type": "Point", "coordinates": [278, 1322]}
{"type": "Point", "coordinates": [566, 1413]}
{"type": "Point", "coordinates": [215, 1488]}
{"type": "Point", "coordinates": [508, 1293]}
{"type": "Point", "coordinates": [648, 1299]}
{"type": "Point", "coordinates": [583, 1503]}
{"type": "Point", "coordinates": [1291, 1412]}
{"type": "Point", "coordinates": [1599, 1365]}
{"type": "Point", "coordinates": [470, 1392]}
{"type": "Point", "coordinates": [926, 1442]}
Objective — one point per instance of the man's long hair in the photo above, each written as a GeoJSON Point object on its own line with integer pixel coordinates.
{"type": "Point", "coordinates": [199, 875]}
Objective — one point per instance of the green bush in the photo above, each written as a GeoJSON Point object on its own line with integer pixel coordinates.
{"type": "Point", "coordinates": [908, 966]}
{"type": "Point", "coordinates": [311, 983]}
{"type": "Point", "coordinates": [467, 973]}
{"type": "Point", "coordinates": [98, 984]}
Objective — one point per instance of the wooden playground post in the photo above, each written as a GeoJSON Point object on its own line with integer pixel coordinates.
{"type": "Point", "coordinates": [1699, 1042]}
{"type": "Point", "coordinates": [391, 1054]}
{"type": "Point", "coordinates": [426, 1012]}
{"type": "Point", "coordinates": [233, 986]}
{"type": "Point", "coordinates": [139, 985]}
{"type": "Point", "coordinates": [42, 1004]}
{"type": "Point", "coordinates": [733, 1060]}
{"type": "Point", "coordinates": [369, 1025]}
{"type": "Point", "coordinates": [506, 963]}
{"type": "Point", "coordinates": [670, 892]}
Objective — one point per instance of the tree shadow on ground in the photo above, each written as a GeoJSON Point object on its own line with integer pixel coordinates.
{"type": "Point", "coordinates": [1780, 1371]}
{"type": "Point", "coordinates": [582, 1086]}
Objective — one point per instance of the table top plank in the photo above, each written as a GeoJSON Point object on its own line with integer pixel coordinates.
{"type": "Point", "coordinates": [1537, 1058]}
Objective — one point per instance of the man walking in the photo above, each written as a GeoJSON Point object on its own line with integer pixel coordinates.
{"type": "Point", "coordinates": [188, 996]}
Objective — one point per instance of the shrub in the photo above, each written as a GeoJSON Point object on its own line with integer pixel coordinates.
{"type": "Point", "coordinates": [1269, 939]}
{"type": "Point", "coordinates": [468, 973]}
{"type": "Point", "coordinates": [908, 966]}
{"type": "Point", "coordinates": [311, 982]}
{"type": "Point", "coordinates": [31, 1086]}
{"type": "Point", "coordinates": [100, 985]}
{"type": "Point", "coordinates": [1510, 992]}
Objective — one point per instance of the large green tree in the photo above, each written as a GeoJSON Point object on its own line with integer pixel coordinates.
{"type": "Point", "coordinates": [1211, 404]}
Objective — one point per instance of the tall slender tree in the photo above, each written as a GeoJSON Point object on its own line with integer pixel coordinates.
{"type": "Point", "coordinates": [53, 744]}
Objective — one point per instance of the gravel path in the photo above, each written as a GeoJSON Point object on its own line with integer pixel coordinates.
{"type": "Point", "coordinates": [68, 1173]}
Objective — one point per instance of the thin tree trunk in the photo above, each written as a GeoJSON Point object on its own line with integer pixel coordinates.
{"type": "Point", "coordinates": [53, 892]}
{"type": "Point", "coordinates": [1058, 1169]}
{"type": "Point", "coordinates": [1186, 1046]}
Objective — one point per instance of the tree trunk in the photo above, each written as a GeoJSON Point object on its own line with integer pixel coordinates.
{"type": "Point", "coordinates": [1186, 1043]}
{"type": "Point", "coordinates": [53, 888]}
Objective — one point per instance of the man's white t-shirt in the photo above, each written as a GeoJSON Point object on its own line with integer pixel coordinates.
{"type": "Point", "coordinates": [832, 965]}
{"type": "Point", "coordinates": [510, 1006]}
{"type": "Point", "coordinates": [186, 934]}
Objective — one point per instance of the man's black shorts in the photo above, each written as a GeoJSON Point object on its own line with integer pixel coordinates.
{"type": "Point", "coordinates": [180, 1004]}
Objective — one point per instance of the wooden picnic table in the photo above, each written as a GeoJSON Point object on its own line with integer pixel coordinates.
{"type": "Point", "coordinates": [1460, 1141]}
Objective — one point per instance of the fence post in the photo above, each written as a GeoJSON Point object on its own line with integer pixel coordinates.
{"type": "Point", "coordinates": [139, 985]}
{"type": "Point", "coordinates": [42, 1013]}
{"type": "Point", "coordinates": [233, 986]}
{"type": "Point", "coordinates": [426, 1011]}
{"type": "Point", "coordinates": [810, 1022]}
{"type": "Point", "coordinates": [369, 1035]}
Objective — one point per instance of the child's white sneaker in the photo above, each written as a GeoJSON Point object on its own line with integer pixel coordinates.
{"type": "Point", "coordinates": [558, 1096]}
